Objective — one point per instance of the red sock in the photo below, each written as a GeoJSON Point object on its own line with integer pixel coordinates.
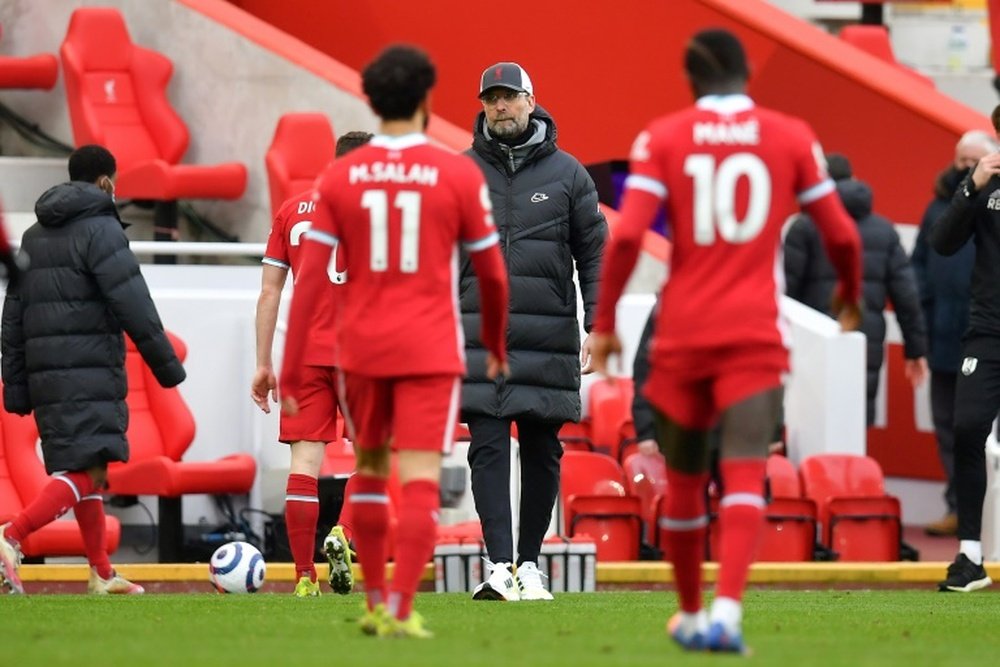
{"type": "Point", "coordinates": [301, 515]}
{"type": "Point", "coordinates": [684, 525]}
{"type": "Point", "coordinates": [415, 538]}
{"type": "Point", "coordinates": [61, 493]}
{"type": "Point", "coordinates": [741, 517]}
{"type": "Point", "coordinates": [345, 520]}
{"type": "Point", "coordinates": [370, 514]}
{"type": "Point", "coordinates": [90, 517]}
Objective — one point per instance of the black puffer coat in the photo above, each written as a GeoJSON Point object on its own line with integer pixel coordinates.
{"type": "Point", "coordinates": [545, 208]}
{"type": "Point", "coordinates": [886, 275]}
{"type": "Point", "coordinates": [63, 348]}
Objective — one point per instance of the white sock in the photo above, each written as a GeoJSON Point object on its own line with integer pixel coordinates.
{"type": "Point", "coordinates": [727, 611]}
{"type": "Point", "coordinates": [973, 550]}
{"type": "Point", "coordinates": [692, 623]}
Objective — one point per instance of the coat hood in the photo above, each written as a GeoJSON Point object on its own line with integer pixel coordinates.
{"type": "Point", "coordinates": [74, 200]}
{"type": "Point", "coordinates": [856, 196]}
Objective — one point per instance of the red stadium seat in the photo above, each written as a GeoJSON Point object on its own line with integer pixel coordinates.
{"type": "Point", "coordinates": [790, 530]}
{"type": "Point", "coordinates": [302, 146]}
{"type": "Point", "coordinates": [874, 39]}
{"type": "Point", "coordinates": [117, 97]}
{"type": "Point", "coordinates": [22, 477]}
{"type": "Point", "coordinates": [610, 407]}
{"type": "Point", "coordinates": [646, 478]}
{"type": "Point", "coordinates": [576, 437]}
{"type": "Point", "coordinates": [859, 522]}
{"type": "Point", "coordinates": [161, 428]}
{"type": "Point", "coordinates": [595, 503]}
{"type": "Point", "coordinates": [38, 71]}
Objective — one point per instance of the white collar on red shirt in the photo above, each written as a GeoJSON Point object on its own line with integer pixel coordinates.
{"type": "Point", "coordinates": [725, 104]}
{"type": "Point", "coordinates": [399, 142]}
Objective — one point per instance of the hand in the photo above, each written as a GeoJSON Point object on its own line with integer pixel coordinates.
{"type": "Point", "coordinates": [586, 358]}
{"type": "Point", "coordinates": [986, 169]}
{"type": "Point", "coordinates": [648, 447]}
{"type": "Point", "coordinates": [915, 371]}
{"type": "Point", "coordinates": [602, 346]}
{"type": "Point", "coordinates": [264, 382]}
{"type": "Point", "coordinates": [289, 406]}
{"type": "Point", "coordinates": [847, 314]}
{"type": "Point", "coordinates": [495, 368]}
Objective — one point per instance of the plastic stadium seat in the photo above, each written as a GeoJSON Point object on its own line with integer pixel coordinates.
{"type": "Point", "coordinates": [790, 528]}
{"type": "Point", "coordinates": [874, 39]}
{"type": "Point", "coordinates": [302, 146]}
{"type": "Point", "coordinates": [576, 437]}
{"type": "Point", "coordinates": [859, 522]}
{"type": "Point", "coordinates": [22, 477]}
{"type": "Point", "coordinates": [117, 97]}
{"type": "Point", "coordinates": [39, 71]}
{"type": "Point", "coordinates": [595, 503]}
{"type": "Point", "coordinates": [646, 478]}
{"type": "Point", "coordinates": [161, 428]}
{"type": "Point", "coordinates": [610, 408]}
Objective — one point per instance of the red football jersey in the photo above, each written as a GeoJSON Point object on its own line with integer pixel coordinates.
{"type": "Point", "coordinates": [398, 207]}
{"type": "Point", "coordinates": [729, 174]}
{"type": "Point", "coordinates": [283, 250]}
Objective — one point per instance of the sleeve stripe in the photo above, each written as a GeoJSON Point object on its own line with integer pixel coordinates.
{"type": "Point", "coordinates": [647, 184]}
{"type": "Point", "coordinates": [483, 243]}
{"type": "Point", "coordinates": [816, 192]}
{"type": "Point", "coordinates": [321, 237]}
{"type": "Point", "coordinates": [275, 262]}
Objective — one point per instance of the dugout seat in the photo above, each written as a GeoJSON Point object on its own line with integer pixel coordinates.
{"type": "Point", "coordinates": [858, 521]}
{"type": "Point", "coordinates": [576, 436]}
{"type": "Point", "coordinates": [22, 478]}
{"type": "Point", "coordinates": [789, 532]}
{"type": "Point", "coordinates": [303, 145]}
{"type": "Point", "coordinates": [596, 503]}
{"type": "Point", "coordinates": [27, 72]}
{"type": "Point", "coordinates": [161, 429]}
{"type": "Point", "coordinates": [874, 39]}
{"type": "Point", "coordinates": [646, 478]}
{"type": "Point", "coordinates": [610, 408]}
{"type": "Point", "coordinates": [116, 92]}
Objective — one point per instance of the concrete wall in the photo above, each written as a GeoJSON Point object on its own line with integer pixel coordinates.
{"type": "Point", "coordinates": [229, 90]}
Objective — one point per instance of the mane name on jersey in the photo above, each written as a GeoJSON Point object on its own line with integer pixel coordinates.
{"type": "Point", "coordinates": [745, 133]}
{"type": "Point", "coordinates": [393, 172]}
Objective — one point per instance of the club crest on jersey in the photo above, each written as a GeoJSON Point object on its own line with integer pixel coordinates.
{"type": "Point", "coordinates": [539, 197]}
{"type": "Point", "coordinates": [969, 365]}
{"type": "Point", "coordinates": [993, 203]}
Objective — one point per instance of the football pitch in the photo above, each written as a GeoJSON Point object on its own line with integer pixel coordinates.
{"type": "Point", "coordinates": [800, 628]}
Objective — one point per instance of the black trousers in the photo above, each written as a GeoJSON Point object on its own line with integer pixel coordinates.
{"type": "Point", "coordinates": [977, 399]}
{"type": "Point", "coordinates": [489, 458]}
{"type": "Point", "coordinates": [943, 415]}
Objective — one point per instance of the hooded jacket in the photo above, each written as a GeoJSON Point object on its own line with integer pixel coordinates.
{"type": "Point", "coordinates": [62, 338]}
{"type": "Point", "coordinates": [546, 212]}
{"type": "Point", "coordinates": [886, 275]}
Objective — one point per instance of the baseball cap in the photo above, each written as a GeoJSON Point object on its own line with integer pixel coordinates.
{"type": "Point", "coordinates": [505, 75]}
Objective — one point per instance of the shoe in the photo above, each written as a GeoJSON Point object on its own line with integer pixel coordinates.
{"type": "Point", "coordinates": [529, 582]}
{"type": "Point", "coordinates": [10, 562]}
{"type": "Point", "coordinates": [307, 588]}
{"type": "Point", "coordinates": [687, 639]}
{"type": "Point", "coordinates": [964, 576]}
{"type": "Point", "coordinates": [499, 585]}
{"type": "Point", "coordinates": [114, 585]}
{"type": "Point", "coordinates": [722, 640]}
{"type": "Point", "coordinates": [338, 552]}
{"type": "Point", "coordinates": [945, 527]}
{"type": "Point", "coordinates": [412, 628]}
{"type": "Point", "coordinates": [374, 622]}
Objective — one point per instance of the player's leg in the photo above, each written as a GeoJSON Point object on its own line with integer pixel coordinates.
{"type": "Point", "coordinates": [540, 455]}
{"type": "Point", "coordinates": [367, 418]}
{"type": "Point", "coordinates": [63, 491]}
{"type": "Point", "coordinates": [424, 413]}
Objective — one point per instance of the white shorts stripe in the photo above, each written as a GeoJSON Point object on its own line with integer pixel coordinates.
{"type": "Point", "coordinates": [449, 427]}
{"type": "Point", "coordinates": [816, 192]}
{"type": "Point", "coordinates": [373, 498]}
{"type": "Point", "coordinates": [647, 184]}
{"type": "Point", "coordinates": [321, 237]}
{"type": "Point", "coordinates": [751, 499]}
{"type": "Point", "coordinates": [302, 499]}
{"type": "Point", "coordinates": [666, 523]}
{"type": "Point", "coordinates": [482, 244]}
{"type": "Point", "coordinates": [76, 491]}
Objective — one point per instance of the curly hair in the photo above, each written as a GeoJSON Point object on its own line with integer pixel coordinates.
{"type": "Point", "coordinates": [716, 56]}
{"type": "Point", "coordinates": [88, 163]}
{"type": "Point", "coordinates": [351, 140]}
{"type": "Point", "coordinates": [397, 81]}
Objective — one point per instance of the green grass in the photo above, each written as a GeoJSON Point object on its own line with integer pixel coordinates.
{"type": "Point", "coordinates": [793, 628]}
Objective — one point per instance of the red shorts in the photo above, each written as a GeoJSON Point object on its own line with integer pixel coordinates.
{"type": "Point", "coordinates": [418, 412]}
{"type": "Point", "coordinates": [316, 420]}
{"type": "Point", "coordinates": [695, 388]}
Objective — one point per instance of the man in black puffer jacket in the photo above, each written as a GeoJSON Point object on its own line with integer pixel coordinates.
{"type": "Point", "coordinates": [546, 212]}
{"type": "Point", "coordinates": [64, 356]}
{"type": "Point", "coordinates": [886, 272]}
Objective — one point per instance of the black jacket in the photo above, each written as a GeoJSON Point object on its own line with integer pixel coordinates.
{"type": "Point", "coordinates": [642, 411]}
{"type": "Point", "coordinates": [63, 348]}
{"type": "Point", "coordinates": [944, 282]}
{"type": "Point", "coordinates": [976, 215]}
{"type": "Point", "coordinates": [546, 212]}
{"type": "Point", "coordinates": [886, 275]}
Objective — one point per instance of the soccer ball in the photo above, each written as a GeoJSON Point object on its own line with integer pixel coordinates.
{"type": "Point", "coordinates": [237, 567]}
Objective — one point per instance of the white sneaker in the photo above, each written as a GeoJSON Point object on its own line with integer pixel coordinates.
{"type": "Point", "coordinates": [529, 580]}
{"type": "Point", "coordinates": [499, 585]}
